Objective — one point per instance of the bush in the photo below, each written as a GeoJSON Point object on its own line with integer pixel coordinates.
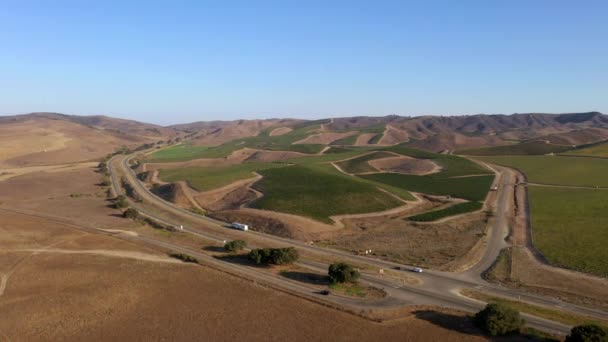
{"type": "Point", "coordinates": [106, 181]}
{"type": "Point", "coordinates": [235, 246]}
{"type": "Point", "coordinates": [499, 319]}
{"type": "Point", "coordinates": [588, 333]}
{"type": "Point", "coordinates": [276, 256]}
{"type": "Point", "coordinates": [103, 167]}
{"type": "Point", "coordinates": [184, 257]}
{"type": "Point", "coordinates": [120, 202]}
{"type": "Point", "coordinates": [131, 213]}
{"type": "Point", "coordinates": [342, 273]}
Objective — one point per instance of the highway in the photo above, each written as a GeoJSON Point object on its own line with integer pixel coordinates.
{"type": "Point", "coordinates": [437, 288]}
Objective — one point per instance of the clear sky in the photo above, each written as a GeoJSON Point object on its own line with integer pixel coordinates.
{"type": "Point", "coordinates": [180, 61]}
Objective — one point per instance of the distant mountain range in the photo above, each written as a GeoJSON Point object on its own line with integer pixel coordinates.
{"type": "Point", "coordinates": [95, 136]}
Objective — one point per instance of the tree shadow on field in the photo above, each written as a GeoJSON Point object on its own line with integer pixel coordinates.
{"type": "Point", "coordinates": [239, 259]}
{"type": "Point", "coordinates": [464, 325]}
{"type": "Point", "coordinates": [306, 277]}
{"type": "Point", "coordinates": [215, 249]}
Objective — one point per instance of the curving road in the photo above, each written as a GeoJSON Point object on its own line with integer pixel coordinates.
{"type": "Point", "coordinates": [438, 288]}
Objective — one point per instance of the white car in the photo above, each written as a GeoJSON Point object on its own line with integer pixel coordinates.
{"type": "Point", "coordinates": [417, 269]}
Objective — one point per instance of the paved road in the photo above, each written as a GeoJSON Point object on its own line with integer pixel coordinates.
{"type": "Point", "coordinates": [439, 288]}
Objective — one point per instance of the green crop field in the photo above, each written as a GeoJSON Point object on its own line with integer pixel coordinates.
{"type": "Point", "coordinates": [178, 153]}
{"type": "Point", "coordinates": [597, 150]}
{"type": "Point", "coordinates": [569, 227]}
{"type": "Point", "coordinates": [326, 158]}
{"type": "Point", "coordinates": [470, 188]}
{"type": "Point", "coordinates": [452, 166]}
{"type": "Point", "coordinates": [209, 178]}
{"type": "Point", "coordinates": [319, 191]}
{"type": "Point", "coordinates": [455, 209]}
{"type": "Point", "coordinates": [360, 165]}
{"type": "Point", "coordinates": [558, 170]}
{"type": "Point", "coordinates": [376, 138]}
{"type": "Point", "coordinates": [349, 140]}
{"type": "Point", "coordinates": [535, 147]}
{"type": "Point", "coordinates": [262, 141]}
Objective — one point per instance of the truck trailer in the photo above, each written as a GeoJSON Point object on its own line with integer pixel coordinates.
{"type": "Point", "coordinates": [240, 226]}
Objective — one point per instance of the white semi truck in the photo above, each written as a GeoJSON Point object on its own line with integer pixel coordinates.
{"type": "Point", "coordinates": [240, 226]}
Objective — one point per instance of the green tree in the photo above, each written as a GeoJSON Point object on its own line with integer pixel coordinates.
{"type": "Point", "coordinates": [499, 319]}
{"type": "Point", "coordinates": [282, 256]}
{"type": "Point", "coordinates": [342, 273]}
{"type": "Point", "coordinates": [588, 333]}
{"type": "Point", "coordinates": [131, 213]}
{"type": "Point", "coordinates": [235, 245]}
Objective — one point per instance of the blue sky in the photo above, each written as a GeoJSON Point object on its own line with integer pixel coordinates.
{"type": "Point", "coordinates": [178, 61]}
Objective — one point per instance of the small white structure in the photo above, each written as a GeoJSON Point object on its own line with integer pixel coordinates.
{"type": "Point", "coordinates": [239, 226]}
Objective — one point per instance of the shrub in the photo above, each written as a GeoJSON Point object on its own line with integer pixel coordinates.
{"type": "Point", "coordinates": [499, 319]}
{"type": "Point", "coordinates": [106, 181]}
{"type": "Point", "coordinates": [342, 273]}
{"type": "Point", "coordinates": [588, 333]}
{"type": "Point", "coordinates": [276, 256]}
{"type": "Point", "coordinates": [120, 202]}
{"type": "Point", "coordinates": [131, 213]}
{"type": "Point", "coordinates": [235, 246]}
{"type": "Point", "coordinates": [143, 175]}
{"type": "Point", "coordinates": [103, 167]}
{"type": "Point", "coordinates": [184, 257]}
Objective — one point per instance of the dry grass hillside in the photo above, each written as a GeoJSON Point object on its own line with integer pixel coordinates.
{"type": "Point", "coordinates": [43, 138]}
{"type": "Point", "coordinates": [219, 132]}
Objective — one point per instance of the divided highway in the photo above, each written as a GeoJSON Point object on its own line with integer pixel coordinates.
{"type": "Point", "coordinates": [439, 288]}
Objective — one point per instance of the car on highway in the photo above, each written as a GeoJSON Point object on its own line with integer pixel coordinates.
{"type": "Point", "coordinates": [416, 270]}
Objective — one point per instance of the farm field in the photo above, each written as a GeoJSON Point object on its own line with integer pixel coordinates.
{"type": "Point", "coordinates": [599, 150]}
{"type": "Point", "coordinates": [360, 165]}
{"type": "Point", "coordinates": [339, 154]}
{"type": "Point", "coordinates": [178, 153]}
{"type": "Point", "coordinates": [456, 209]}
{"type": "Point", "coordinates": [209, 178]}
{"type": "Point", "coordinates": [452, 166]}
{"type": "Point", "coordinates": [569, 227]}
{"type": "Point", "coordinates": [535, 147]}
{"type": "Point", "coordinates": [262, 141]}
{"type": "Point", "coordinates": [558, 170]}
{"type": "Point", "coordinates": [319, 191]}
{"type": "Point", "coordinates": [470, 188]}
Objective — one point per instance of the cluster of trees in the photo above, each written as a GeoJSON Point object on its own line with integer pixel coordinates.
{"type": "Point", "coordinates": [130, 190]}
{"type": "Point", "coordinates": [588, 333]}
{"type": "Point", "coordinates": [275, 256]}
{"type": "Point", "coordinates": [500, 319]}
{"type": "Point", "coordinates": [235, 246]}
